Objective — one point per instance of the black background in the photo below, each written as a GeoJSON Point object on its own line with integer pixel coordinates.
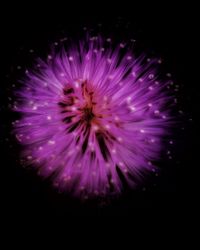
{"type": "Point", "coordinates": [164, 30]}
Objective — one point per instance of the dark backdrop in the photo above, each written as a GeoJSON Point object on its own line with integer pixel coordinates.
{"type": "Point", "coordinates": [162, 29]}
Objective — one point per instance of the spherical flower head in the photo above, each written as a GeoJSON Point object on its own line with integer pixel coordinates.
{"type": "Point", "coordinates": [92, 118]}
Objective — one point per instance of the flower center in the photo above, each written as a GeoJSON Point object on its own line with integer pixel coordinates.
{"type": "Point", "coordinates": [88, 114]}
{"type": "Point", "coordinates": [82, 114]}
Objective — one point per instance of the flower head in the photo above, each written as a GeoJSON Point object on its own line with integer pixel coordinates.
{"type": "Point", "coordinates": [92, 119]}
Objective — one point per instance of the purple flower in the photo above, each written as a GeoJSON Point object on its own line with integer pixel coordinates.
{"type": "Point", "coordinates": [93, 119]}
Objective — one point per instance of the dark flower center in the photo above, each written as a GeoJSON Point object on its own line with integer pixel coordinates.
{"type": "Point", "coordinates": [88, 114]}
